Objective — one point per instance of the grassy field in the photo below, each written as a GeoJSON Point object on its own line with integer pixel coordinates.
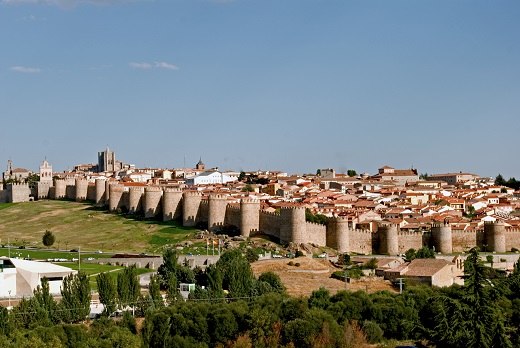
{"type": "Point", "coordinates": [81, 225]}
{"type": "Point", "coordinates": [93, 269]}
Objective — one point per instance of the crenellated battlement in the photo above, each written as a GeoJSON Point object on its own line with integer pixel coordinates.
{"type": "Point", "coordinates": [172, 189]}
{"type": "Point", "coordinates": [192, 194]}
{"type": "Point", "coordinates": [232, 207]}
{"type": "Point", "coordinates": [217, 197]}
{"type": "Point", "coordinates": [268, 213]}
{"type": "Point", "coordinates": [153, 189]}
{"type": "Point", "coordinates": [440, 224]}
{"type": "Point", "coordinates": [293, 208]}
{"type": "Point", "coordinates": [249, 201]}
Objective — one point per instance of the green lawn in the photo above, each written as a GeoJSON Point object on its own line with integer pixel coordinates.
{"type": "Point", "coordinates": [93, 269]}
{"type": "Point", "coordinates": [81, 225]}
{"type": "Point", "coordinates": [44, 255]}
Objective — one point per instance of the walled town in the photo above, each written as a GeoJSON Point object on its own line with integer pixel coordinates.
{"type": "Point", "coordinates": [385, 236]}
{"type": "Point", "coordinates": [387, 212]}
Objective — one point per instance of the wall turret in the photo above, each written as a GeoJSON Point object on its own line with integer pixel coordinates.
{"type": "Point", "coordinates": [293, 227]}
{"type": "Point", "coordinates": [81, 190]}
{"type": "Point", "coordinates": [217, 212]}
{"type": "Point", "coordinates": [60, 190]}
{"type": "Point", "coordinates": [495, 236]}
{"type": "Point", "coordinates": [249, 216]}
{"type": "Point", "coordinates": [100, 192]}
{"type": "Point", "coordinates": [135, 199]}
{"type": "Point", "coordinates": [172, 203]}
{"type": "Point", "coordinates": [388, 239]}
{"type": "Point", "coordinates": [442, 238]}
{"type": "Point", "coordinates": [190, 208]}
{"type": "Point", "coordinates": [115, 200]}
{"type": "Point", "coordinates": [152, 201]}
{"type": "Point", "coordinates": [338, 234]}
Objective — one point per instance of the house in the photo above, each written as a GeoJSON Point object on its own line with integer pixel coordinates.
{"type": "Point", "coordinates": [21, 277]}
{"type": "Point", "coordinates": [434, 272]}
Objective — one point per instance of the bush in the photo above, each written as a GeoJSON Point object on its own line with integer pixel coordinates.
{"type": "Point", "coordinates": [338, 275]}
{"type": "Point", "coordinates": [489, 258]}
{"type": "Point", "coordinates": [503, 260]}
{"type": "Point", "coordinates": [291, 263]}
{"type": "Point", "coordinates": [299, 253]}
{"type": "Point", "coordinates": [514, 250]}
{"type": "Point", "coordinates": [373, 332]}
{"type": "Point", "coordinates": [297, 264]}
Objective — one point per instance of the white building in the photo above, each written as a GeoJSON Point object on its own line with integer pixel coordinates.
{"type": "Point", "coordinates": [210, 178]}
{"type": "Point", "coordinates": [20, 277]}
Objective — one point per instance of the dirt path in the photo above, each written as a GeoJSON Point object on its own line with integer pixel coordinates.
{"type": "Point", "coordinates": [313, 274]}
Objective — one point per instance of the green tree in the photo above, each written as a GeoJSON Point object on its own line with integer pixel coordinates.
{"type": "Point", "coordinates": [351, 173]}
{"type": "Point", "coordinates": [128, 288]}
{"type": "Point", "coordinates": [155, 291]}
{"type": "Point", "coordinates": [107, 289]}
{"type": "Point", "coordinates": [237, 274]}
{"type": "Point", "coordinates": [248, 188]}
{"type": "Point", "coordinates": [32, 180]}
{"type": "Point", "coordinates": [423, 176]}
{"type": "Point", "coordinates": [274, 280]}
{"type": "Point", "coordinates": [241, 176]}
{"type": "Point", "coordinates": [500, 181]}
{"type": "Point", "coordinates": [48, 238]}
{"type": "Point", "coordinates": [75, 297]}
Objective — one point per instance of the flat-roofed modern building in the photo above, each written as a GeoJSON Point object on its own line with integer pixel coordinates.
{"type": "Point", "coordinates": [20, 277]}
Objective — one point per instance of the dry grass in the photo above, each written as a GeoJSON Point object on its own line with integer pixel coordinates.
{"type": "Point", "coordinates": [78, 224]}
{"type": "Point", "coordinates": [311, 275]}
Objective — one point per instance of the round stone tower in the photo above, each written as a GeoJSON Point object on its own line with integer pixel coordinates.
{"type": "Point", "coordinates": [495, 236]}
{"type": "Point", "coordinates": [81, 189]}
{"type": "Point", "coordinates": [293, 225]}
{"type": "Point", "coordinates": [116, 197]}
{"type": "Point", "coordinates": [100, 192]}
{"type": "Point", "coordinates": [107, 189]}
{"type": "Point", "coordinates": [388, 239]}
{"type": "Point", "coordinates": [190, 208]}
{"type": "Point", "coordinates": [338, 234]}
{"type": "Point", "coordinates": [152, 201]}
{"type": "Point", "coordinates": [217, 212]}
{"type": "Point", "coordinates": [60, 189]}
{"type": "Point", "coordinates": [135, 198]}
{"type": "Point", "coordinates": [249, 216]}
{"type": "Point", "coordinates": [442, 238]}
{"type": "Point", "coordinates": [172, 198]}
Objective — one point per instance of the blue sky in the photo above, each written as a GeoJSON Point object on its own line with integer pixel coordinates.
{"type": "Point", "coordinates": [291, 85]}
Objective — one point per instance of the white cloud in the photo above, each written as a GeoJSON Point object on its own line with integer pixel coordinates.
{"type": "Point", "coordinates": [27, 70]}
{"type": "Point", "coordinates": [165, 65]}
{"type": "Point", "coordinates": [157, 65]}
{"type": "Point", "coordinates": [66, 3]}
{"type": "Point", "coordinates": [141, 65]}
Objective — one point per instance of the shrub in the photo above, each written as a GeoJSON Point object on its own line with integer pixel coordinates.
{"type": "Point", "coordinates": [291, 263]}
{"type": "Point", "coordinates": [489, 258]}
{"type": "Point", "coordinates": [503, 260]}
{"type": "Point", "coordinates": [297, 264]}
{"type": "Point", "coordinates": [299, 253]}
{"type": "Point", "coordinates": [514, 250]}
{"type": "Point", "coordinates": [373, 332]}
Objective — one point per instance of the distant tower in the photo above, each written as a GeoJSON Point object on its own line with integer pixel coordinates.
{"type": "Point", "coordinates": [9, 172]}
{"type": "Point", "coordinates": [200, 165]}
{"type": "Point", "coordinates": [106, 161]}
{"type": "Point", "coordinates": [46, 172]}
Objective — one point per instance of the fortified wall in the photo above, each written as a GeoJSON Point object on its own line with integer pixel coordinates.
{"type": "Point", "coordinates": [215, 213]}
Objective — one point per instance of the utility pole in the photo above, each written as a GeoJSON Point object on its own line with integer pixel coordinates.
{"type": "Point", "coordinates": [79, 258]}
{"type": "Point", "coordinates": [400, 285]}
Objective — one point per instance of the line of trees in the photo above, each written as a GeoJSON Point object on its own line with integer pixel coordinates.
{"type": "Point", "coordinates": [236, 310]}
